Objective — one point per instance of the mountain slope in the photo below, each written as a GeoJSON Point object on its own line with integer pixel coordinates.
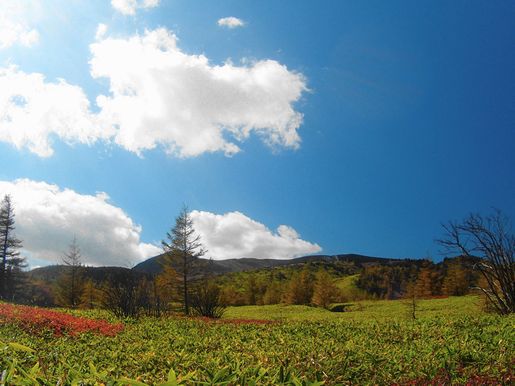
{"type": "Point", "coordinates": [154, 266]}
{"type": "Point", "coordinates": [51, 273]}
{"type": "Point", "coordinates": [216, 267]}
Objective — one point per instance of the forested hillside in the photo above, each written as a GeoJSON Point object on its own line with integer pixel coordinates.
{"type": "Point", "coordinates": [255, 282]}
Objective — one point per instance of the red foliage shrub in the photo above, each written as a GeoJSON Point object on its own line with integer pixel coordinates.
{"type": "Point", "coordinates": [38, 319]}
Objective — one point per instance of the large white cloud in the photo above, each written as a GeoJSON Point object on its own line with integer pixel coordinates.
{"type": "Point", "coordinates": [234, 235]}
{"type": "Point", "coordinates": [33, 110]}
{"type": "Point", "coordinates": [48, 217]}
{"type": "Point", "coordinates": [160, 95]}
{"type": "Point", "coordinates": [14, 28]}
{"type": "Point", "coordinates": [230, 22]}
{"type": "Point", "coordinates": [129, 7]}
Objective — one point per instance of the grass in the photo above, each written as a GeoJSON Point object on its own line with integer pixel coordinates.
{"type": "Point", "coordinates": [374, 343]}
{"type": "Point", "coordinates": [380, 310]}
{"type": "Point", "coordinates": [349, 289]}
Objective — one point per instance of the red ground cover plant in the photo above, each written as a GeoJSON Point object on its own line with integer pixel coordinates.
{"type": "Point", "coordinates": [38, 320]}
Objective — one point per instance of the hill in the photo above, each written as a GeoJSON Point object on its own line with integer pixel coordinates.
{"type": "Point", "coordinates": [51, 273]}
{"type": "Point", "coordinates": [217, 267]}
{"type": "Point", "coordinates": [153, 266]}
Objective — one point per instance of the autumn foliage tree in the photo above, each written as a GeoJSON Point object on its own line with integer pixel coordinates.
{"type": "Point", "coordinates": [255, 289]}
{"type": "Point", "coordinates": [424, 287]}
{"type": "Point", "coordinates": [90, 296]}
{"type": "Point", "coordinates": [273, 293]}
{"type": "Point", "coordinates": [325, 291]}
{"type": "Point", "coordinates": [455, 281]}
{"type": "Point", "coordinates": [300, 290]}
{"type": "Point", "coordinates": [168, 286]}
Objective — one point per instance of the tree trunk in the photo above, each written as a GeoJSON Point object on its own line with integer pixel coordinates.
{"type": "Point", "coordinates": [3, 276]}
{"type": "Point", "coordinates": [185, 286]}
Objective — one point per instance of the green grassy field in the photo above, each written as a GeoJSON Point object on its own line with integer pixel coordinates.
{"type": "Point", "coordinates": [376, 342]}
{"type": "Point", "coordinates": [378, 310]}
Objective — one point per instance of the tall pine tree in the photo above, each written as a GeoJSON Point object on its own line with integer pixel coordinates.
{"type": "Point", "coordinates": [11, 263]}
{"type": "Point", "coordinates": [184, 244]}
{"type": "Point", "coordinates": [71, 283]}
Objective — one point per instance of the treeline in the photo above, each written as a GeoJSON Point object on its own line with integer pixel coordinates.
{"type": "Point", "coordinates": [422, 278]}
{"type": "Point", "coordinates": [127, 292]}
{"type": "Point", "coordinates": [317, 283]}
{"type": "Point", "coordinates": [312, 283]}
{"type": "Point", "coordinates": [306, 286]}
{"type": "Point", "coordinates": [184, 282]}
{"type": "Point", "coordinates": [122, 291]}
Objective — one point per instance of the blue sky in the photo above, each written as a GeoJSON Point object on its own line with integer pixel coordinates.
{"type": "Point", "coordinates": [408, 120]}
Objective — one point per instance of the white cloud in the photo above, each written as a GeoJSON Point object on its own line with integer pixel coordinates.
{"type": "Point", "coordinates": [13, 25]}
{"type": "Point", "coordinates": [101, 31]}
{"type": "Point", "coordinates": [129, 7]}
{"type": "Point", "coordinates": [48, 217]}
{"type": "Point", "coordinates": [161, 95]}
{"type": "Point", "coordinates": [32, 110]}
{"type": "Point", "coordinates": [230, 22]}
{"type": "Point", "coordinates": [234, 235]}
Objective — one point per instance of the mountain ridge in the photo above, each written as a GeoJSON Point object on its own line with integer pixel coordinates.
{"type": "Point", "coordinates": [153, 265]}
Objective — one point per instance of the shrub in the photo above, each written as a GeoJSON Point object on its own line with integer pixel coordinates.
{"type": "Point", "coordinates": [206, 300]}
{"type": "Point", "coordinates": [38, 320]}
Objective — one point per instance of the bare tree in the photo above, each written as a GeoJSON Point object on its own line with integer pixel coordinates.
{"type": "Point", "coordinates": [184, 244]}
{"type": "Point", "coordinates": [491, 240]}
{"type": "Point", "coordinates": [120, 294]}
{"type": "Point", "coordinates": [411, 301]}
{"type": "Point", "coordinates": [206, 300]}
{"type": "Point", "coordinates": [10, 261]}
{"type": "Point", "coordinates": [71, 283]}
